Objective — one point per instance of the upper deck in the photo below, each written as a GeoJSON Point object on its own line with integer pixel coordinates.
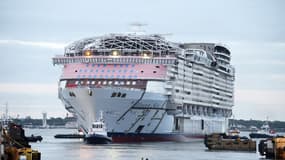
{"type": "Point", "coordinates": [120, 49]}
{"type": "Point", "coordinates": [122, 45]}
{"type": "Point", "coordinates": [114, 49]}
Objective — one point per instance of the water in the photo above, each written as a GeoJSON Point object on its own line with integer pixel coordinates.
{"type": "Point", "coordinates": [75, 149]}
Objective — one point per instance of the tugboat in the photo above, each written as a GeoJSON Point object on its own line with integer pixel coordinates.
{"type": "Point", "coordinates": [265, 132]}
{"type": "Point", "coordinates": [98, 133]}
{"type": "Point", "coordinates": [233, 129]}
{"type": "Point", "coordinates": [33, 138]}
{"type": "Point", "coordinates": [233, 132]}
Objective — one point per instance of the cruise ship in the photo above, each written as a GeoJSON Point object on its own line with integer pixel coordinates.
{"type": "Point", "coordinates": [148, 88]}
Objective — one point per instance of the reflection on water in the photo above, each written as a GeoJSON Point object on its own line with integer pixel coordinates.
{"type": "Point", "coordinates": [75, 149]}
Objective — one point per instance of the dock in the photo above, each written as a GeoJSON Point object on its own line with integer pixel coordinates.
{"type": "Point", "coordinates": [221, 141]}
{"type": "Point", "coordinates": [14, 145]}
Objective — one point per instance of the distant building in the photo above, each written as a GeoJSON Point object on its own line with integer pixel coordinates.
{"type": "Point", "coordinates": [44, 120]}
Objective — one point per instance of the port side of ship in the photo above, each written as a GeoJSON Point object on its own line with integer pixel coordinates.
{"type": "Point", "coordinates": [149, 89]}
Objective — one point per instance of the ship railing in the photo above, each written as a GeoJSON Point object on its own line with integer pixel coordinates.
{"type": "Point", "coordinates": [223, 54]}
{"type": "Point", "coordinates": [61, 60]}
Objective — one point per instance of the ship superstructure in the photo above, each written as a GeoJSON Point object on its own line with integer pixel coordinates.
{"type": "Point", "coordinates": [148, 88]}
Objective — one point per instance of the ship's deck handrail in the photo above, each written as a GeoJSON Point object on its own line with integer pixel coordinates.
{"type": "Point", "coordinates": [58, 60]}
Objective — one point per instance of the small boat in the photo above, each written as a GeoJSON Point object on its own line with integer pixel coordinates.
{"type": "Point", "coordinates": [69, 136]}
{"type": "Point", "coordinates": [76, 135]}
{"type": "Point", "coordinates": [98, 133]}
{"type": "Point", "coordinates": [265, 132]}
{"type": "Point", "coordinates": [260, 135]}
{"type": "Point", "coordinates": [33, 138]}
{"type": "Point", "coordinates": [253, 129]}
{"type": "Point", "coordinates": [233, 129]}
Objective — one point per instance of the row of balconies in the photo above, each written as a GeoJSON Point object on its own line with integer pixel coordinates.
{"type": "Point", "coordinates": [191, 87]}
{"type": "Point", "coordinates": [204, 97]}
{"type": "Point", "coordinates": [208, 75]}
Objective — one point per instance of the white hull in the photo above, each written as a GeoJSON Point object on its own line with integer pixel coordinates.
{"type": "Point", "coordinates": [125, 115]}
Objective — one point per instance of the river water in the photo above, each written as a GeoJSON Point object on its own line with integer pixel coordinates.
{"type": "Point", "coordinates": [76, 149]}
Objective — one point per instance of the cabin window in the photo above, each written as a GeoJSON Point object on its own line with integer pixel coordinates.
{"type": "Point", "coordinates": [134, 83]}
{"type": "Point", "coordinates": [154, 71]}
{"type": "Point", "coordinates": [128, 83]}
{"type": "Point", "coordinates": [122, 83]}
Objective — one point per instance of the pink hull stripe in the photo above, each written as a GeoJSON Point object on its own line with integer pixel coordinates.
{"type": "Point", "coordinates": [114, 71]}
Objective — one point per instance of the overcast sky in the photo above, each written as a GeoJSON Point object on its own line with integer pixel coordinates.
{"type": "Point", "coordinates": [33, 31]}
